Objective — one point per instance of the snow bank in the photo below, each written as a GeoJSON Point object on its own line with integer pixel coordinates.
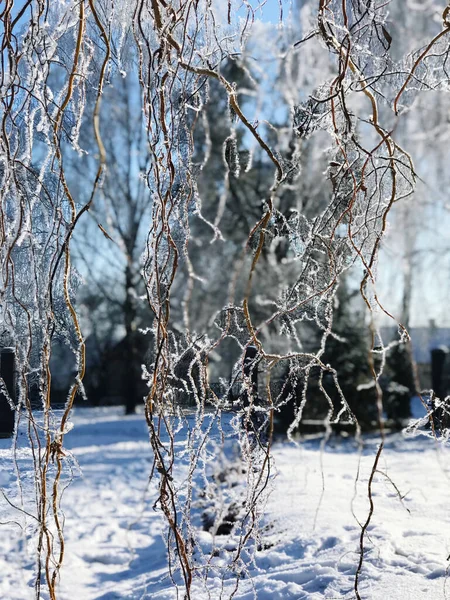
{"type": "Point", "coordinates": [309, 548]}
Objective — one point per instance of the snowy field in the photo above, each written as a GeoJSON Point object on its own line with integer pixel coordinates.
{"type": "Point", "coordinates": [114, 539]}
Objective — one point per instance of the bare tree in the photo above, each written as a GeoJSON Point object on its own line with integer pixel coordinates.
{"type": "Point", "coordinates": [51, 54]}
{"type": "Point", "coordinates": [108, 245]}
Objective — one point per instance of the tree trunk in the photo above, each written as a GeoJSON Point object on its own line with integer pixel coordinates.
{"type": "Point", "coordinates": [131, 375]}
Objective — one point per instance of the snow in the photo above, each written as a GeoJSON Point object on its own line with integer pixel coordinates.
{"type": "Point", "coordinates": [309, 549]}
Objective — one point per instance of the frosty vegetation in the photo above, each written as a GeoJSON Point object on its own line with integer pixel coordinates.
{"type": "Point", "coordinates": [254, 192]}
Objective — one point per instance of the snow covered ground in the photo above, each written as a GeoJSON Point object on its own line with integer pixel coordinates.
{"type": "Point", "coordinates": [115, 540]}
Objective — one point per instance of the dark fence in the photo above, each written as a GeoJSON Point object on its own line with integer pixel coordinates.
{"type": "Point", "coordinates": [7, 371]}
{"type": "Point", "coordinates": [440, 371]}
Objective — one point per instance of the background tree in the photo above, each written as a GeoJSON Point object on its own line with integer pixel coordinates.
{"type": "Point", "coordinates": [108, 246]}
